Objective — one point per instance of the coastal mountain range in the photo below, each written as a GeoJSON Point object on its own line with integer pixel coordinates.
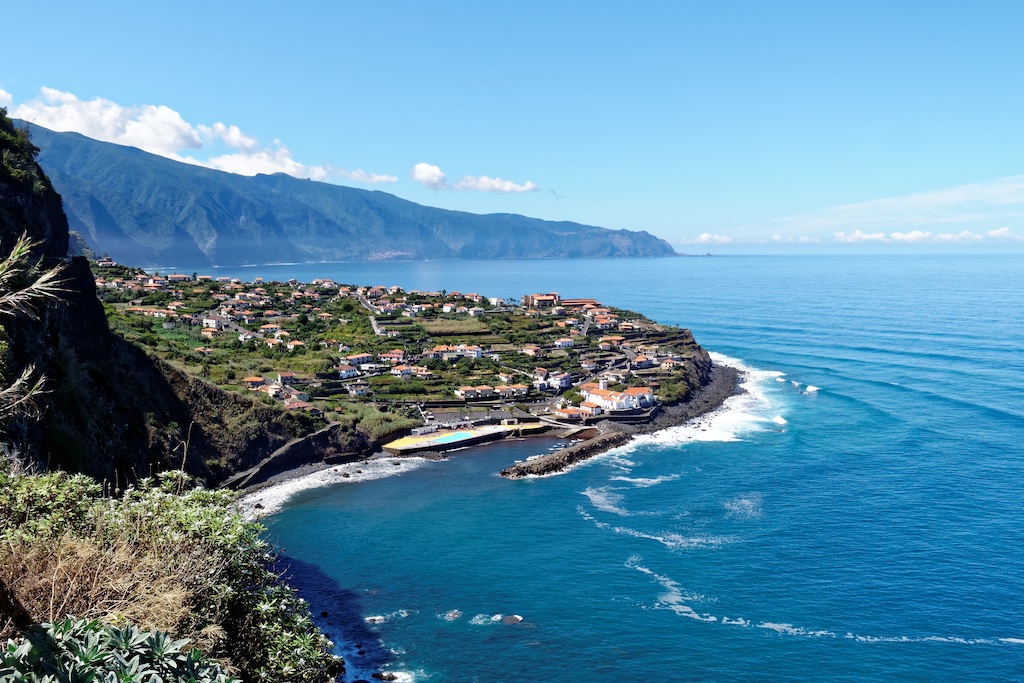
{"type": "Point", "coordinates": [142, 209]}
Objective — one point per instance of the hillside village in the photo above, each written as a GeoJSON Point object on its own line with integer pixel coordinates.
{"type": "Point", "coordinates": [403, 358]}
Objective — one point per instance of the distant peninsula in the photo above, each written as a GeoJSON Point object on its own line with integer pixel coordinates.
{"type": "Point", "coordinates": [145, 209]}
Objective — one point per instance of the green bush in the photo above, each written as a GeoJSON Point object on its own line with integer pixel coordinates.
{"type": "Point", "coordinates": [166, 556]}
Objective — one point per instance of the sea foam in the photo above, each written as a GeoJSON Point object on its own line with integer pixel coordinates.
{"type": "Point", "coordinates": [606, 500]}
{"type": "Point", "coordinates": [739, 414]}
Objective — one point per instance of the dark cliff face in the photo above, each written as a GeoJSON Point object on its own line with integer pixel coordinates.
{"type": "Point", "coordinates": [144, 209]}
{"type": "Point", "coordinates": [111, 411]}
{"type": "Point", "coordinates": [27, 199]}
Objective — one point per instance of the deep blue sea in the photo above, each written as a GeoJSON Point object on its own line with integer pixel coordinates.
{"type": "Point", "coordinates": [857, 515]}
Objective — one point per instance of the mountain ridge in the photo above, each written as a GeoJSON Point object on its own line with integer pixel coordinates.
{"type": "Point", "coordinates": [145, 209]}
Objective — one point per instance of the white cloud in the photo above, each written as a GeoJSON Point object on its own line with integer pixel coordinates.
{"type": "Point", "coordinates": [860, 236]}
{"type": "Point", "coordinates": [275, 160]}
{"type": "Point", "coordinates": [1004, 234]}
{"type": "Point", "coordinates": [161, 130]}
{"type": "Point", "coordinates": [232, 136]}
{"type": "Point", "coordinates": [708, 238]}
{"type": "Point", "coordinates": [803, 239]}
{"type": "Point", "coordinates": [433, 177]}
{"type": "Point", "coordinates": [486, 184]}
{"type": "Point", "coordinates": [430, 175]}
{"type": "Point", "coordinates": [927, 237]}
{"type": "Point", "coordinates": [155, 129]}
{"type": "Point", "coordinates": [5, 98]}
{"type": "Point", "coordinates": [361, 176]}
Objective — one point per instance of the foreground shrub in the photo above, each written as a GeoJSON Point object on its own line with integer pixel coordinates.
{"type": "Point", "coordinates": [84, 650]}
{"type": "Point", "coordinates": [165, 556]}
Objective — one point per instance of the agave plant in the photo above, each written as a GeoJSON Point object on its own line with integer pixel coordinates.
{"type": "Point", "coordinates": [87, 651]}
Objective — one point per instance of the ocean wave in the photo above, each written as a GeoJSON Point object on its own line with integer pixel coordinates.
{"type": "Point", "coordinates": [747, 506]}
{"type": "Point", "coordinates": [669, 539]}
{"type": "Point", "coordinates": [674, 598]}
{"type": "Point", "coordinates": [680, 601]}
{"type": "Point", "coordinates": [673, 540]}
{"type": "Point", "coordinates": [955, 640]}
{"type": "Point", "coordinates": [450, 615]}
{"type": "Point", "coordinates": [790, 630]}
{"type": "Point", "coordinates": [384, 618]}
{"type": "Point", "coordinates": [272, 499]}
{"type": "Point", "coordinates": [605, 500]}
{"type": "Point", "coordinates": [739, 414]}
{"type": "Point", "coordinates": [646, 482]}
{"type": "Point", "coordinates": [489, 619]}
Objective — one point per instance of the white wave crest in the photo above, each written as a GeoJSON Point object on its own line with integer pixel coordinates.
{"type": "Point", "coordinates": [790, 630]}
{"type": "Point", "coordinates": [955, 640]}
{"type": "Point", "coordinates": [747, 506]}
{"type": "Point", "coordinates": [605, 500]}
{"type": "Point", "coordinates": [272, 499]}
{"type": "Point", "coordinates": [673, 598]}
{"type": "Point", "coordinates": [779, 420]}
{"type": "Point", "coordinates": [382, 618]}
{"type": "Point", "coordinates": [642, 483]}
{"type": "Point", "coordinates": [811, 389]}
{"type": "Point", "coordinates": [739, 414]}
{"type": "Point", "coordinates": [673, 540]}
{"type": "Point", "coordinates": [488, 619]}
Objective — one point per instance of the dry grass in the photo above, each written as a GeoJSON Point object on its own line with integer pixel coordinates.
{"type": "Point", "coordinates": [454, 327]}
{"type": "Point", "coordinates": [117, 580]}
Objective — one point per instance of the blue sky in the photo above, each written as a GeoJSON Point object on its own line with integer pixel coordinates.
{"type": "Point", "coordinates": [738, 127]}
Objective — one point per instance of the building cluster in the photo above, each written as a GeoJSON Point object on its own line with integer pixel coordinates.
{"type": "Point", "coordinates": [259, 313]}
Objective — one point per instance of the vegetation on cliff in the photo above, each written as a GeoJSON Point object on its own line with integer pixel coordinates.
{"type": "Point", "coordinates": [165, 556]}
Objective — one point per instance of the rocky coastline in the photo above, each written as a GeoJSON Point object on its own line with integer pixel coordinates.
{"type": "Point", "coordinates": [724, 383]}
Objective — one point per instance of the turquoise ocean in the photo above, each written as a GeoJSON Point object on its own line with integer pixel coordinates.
{"type": "Point", "coordinates": [857, 515]}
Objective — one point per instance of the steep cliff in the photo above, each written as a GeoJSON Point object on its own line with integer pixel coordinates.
{"type": "Point", "coordinates": [111, 411]}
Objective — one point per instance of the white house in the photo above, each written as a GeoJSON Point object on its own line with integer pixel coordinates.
{"type": "Point", "coordinates": [346, 371]}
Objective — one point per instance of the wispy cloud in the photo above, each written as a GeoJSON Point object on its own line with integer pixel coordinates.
{"type": "Point", "coordinates": [708, 238]}
{"type": "Point", "coordinates": [971, 203]}
{"type": "Point", "coordinates": [161, 130]}
{"type": "Point", "coordinates": [802, 239]}
{"type": "Point", "coordinates": [487, 184]}
{"type": "Point", "coordinates": [960, 215]}
{"type": "Point", "coordinates": [433, 177]}
{"type": "Point", "coordinates": [927, 237]}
